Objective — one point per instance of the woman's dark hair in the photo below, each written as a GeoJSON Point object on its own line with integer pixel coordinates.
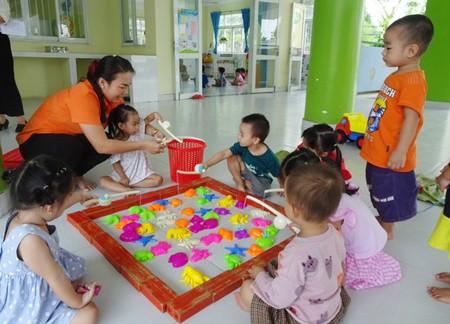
{"type": "Point", "coordinates": [119, 115]}
{"type": "Point", "coordinates": [221, 69]}
{"type": "Point", "coordinates": [107, 68]}
{"type": "Point", "coordinates": [322, 139]}
{"type": "Point", "coordinates": [42, 180]}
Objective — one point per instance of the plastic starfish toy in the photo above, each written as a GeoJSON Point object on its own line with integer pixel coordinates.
{"type": "Point", "coordinates": [236, 250]}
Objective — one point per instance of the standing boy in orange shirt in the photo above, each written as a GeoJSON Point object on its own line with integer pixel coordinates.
{"type": "Point", "coordinates": [395, 121]}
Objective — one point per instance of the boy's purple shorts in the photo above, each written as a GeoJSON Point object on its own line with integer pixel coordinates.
{"type": "Point", "coordinates": [393, 193]}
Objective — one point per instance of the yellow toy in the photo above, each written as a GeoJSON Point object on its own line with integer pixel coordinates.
{"type": "Point", "coordinates": [192, 277]}
{"type": "Point", "coordinates": [238, 218]}
{"type": "Point", "coordinates": [228, 201]}
{"type": "Point", "coordinates": [178, 233]}
{"type": "Point", "coordinates": [145, 229]}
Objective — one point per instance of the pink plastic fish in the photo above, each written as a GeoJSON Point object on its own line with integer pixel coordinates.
{"type": "Point", "coordinates": [160, 248]}
{"type": "Point", "coordinates": [211, 238]}
{"type": "Point", "coordinates": [198, 254]}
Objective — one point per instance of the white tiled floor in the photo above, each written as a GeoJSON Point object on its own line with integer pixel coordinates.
{"type": "Point", "coordinates": [216, 120]}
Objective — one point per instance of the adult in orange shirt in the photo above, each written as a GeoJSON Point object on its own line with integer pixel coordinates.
{"type": "Point", "coordinates": [70, 124]}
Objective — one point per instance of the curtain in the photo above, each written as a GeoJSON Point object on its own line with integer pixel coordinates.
{"type": "Point", "coordinates": [246, 20]}
{"type": "Point", "coordinates": [215, 18]}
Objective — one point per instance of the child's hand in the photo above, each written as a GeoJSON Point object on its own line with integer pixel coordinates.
{"type": "Point", "coordinates": [255, 270]}
{"type": "Point", "coordinates": [159, 136]}
{"type": "Point", "coordinates": [88, 291]}
{"type": "Point", "coordinates": [203, 168]}
{"type": "Point", "coordinates": [154, 147]}
{"type": "Point", "coordinates": [443, 180]}
{"type": "Point", "coordinates": [125, 181]}
{"type": "Point", "coordinates": [396, 160]}
{"type": "Point", "coordinates": [158, 117]}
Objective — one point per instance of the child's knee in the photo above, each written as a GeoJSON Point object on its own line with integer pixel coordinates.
{"type": "Point", "coordinates": [235, 160]}
{"type": "Point", "coordinates": [92, 311]}
{"type": "Point", "coordinates": [104, 180]}
{"type": "Point", "coordinates": [158, 179]}
{"type": "Point", "coordinates": [87, 314]}
{"type": "Point", "coordinates": [247, 292]}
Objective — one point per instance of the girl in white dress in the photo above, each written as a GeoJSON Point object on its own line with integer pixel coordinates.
{"type": "Point", "coordinates": [131, 169]}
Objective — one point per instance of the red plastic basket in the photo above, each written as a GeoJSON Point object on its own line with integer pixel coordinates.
{"type": "Point", "coordinates": [184, 156]}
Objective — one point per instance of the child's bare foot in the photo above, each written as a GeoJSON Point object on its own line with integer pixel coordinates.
{"type": "Point", "coordinates": [439, 294]}
{"type": "Point", "coordinates": [444, 277]}
{"type": "Point", "coordinates": [240, 187]}
{"type": "Point", "coordinates": [84, 184]}
{"type": "Point", "coordinates": [248, 186]}
{"type": "Point", "coordinates": [241, 305]}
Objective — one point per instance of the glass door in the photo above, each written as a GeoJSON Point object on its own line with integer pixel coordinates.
{"type": "Point", "coordinates": [187, 36]}
{"type": "Point", "coordinates": [296, 49]}
{"type": "Point", "coordinates": [265, 45]}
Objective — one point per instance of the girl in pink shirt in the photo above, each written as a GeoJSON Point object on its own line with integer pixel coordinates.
{"type": "Point", "coordinates": [306, 286]}
{"type": "Point", "coordinates": [366, 264]}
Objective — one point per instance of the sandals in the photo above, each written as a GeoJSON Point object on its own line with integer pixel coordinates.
{"type": "Point", "coordinates": [20, 127]}
{"type": "Point", "coordinates": [4, 125]}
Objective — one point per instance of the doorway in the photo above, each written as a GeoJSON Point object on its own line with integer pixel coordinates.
{"type": "Point", "coordinates": [188, 45]}
{"type": "Point", "coordinates": [226, 36]}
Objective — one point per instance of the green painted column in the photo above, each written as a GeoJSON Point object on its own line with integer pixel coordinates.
{"type": "Point", "coordinates": [334, 59]}
{"type": "Point", "coordinates": [435, 62]}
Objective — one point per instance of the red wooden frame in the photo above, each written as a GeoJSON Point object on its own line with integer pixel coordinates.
{"type": "Point", "coordinates": [180, 307]}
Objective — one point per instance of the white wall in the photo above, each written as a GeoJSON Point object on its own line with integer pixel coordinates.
{"type": "Point", "coordinates": [372, 70]}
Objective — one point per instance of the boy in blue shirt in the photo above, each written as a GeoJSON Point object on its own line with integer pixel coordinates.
{"type": "Point", "coordinates": [250, 160]}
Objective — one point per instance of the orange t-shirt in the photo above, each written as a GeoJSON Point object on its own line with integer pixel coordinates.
{"type": "Point", "coordinates": [64, 111]}
{"type": "Point", "coordinates": [386, 118]}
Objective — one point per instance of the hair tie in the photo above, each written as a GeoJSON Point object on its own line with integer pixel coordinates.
{"type": "Point", "coordinates": [61, 171]}
{"type": "Point", "coordinates": [92, 67]}
{"type": "Point", "coordinates": [43, 196]}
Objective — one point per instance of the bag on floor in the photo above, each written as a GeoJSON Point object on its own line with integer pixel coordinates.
{"type": "Point", "coordinates": [429, 190]}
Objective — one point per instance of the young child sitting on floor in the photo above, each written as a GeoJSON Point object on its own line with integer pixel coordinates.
{"type": "Point", "coordinates": [205, 79]}
{"type": "Point", "coordinates": [305, 284]}
{"type": "Point", "coordinates": [37, 276]}
{"type": "Point", "coordinates": [322, 140]}
{"type": "Point", "coordinates": [366, 264]}
{"type": "Point", "coordinates": [239, 80]}
{"type": "Point", "coordinates": [250, 160]}
{"type": "Point", "coordinates": [131, 169]}
{"type": "Point", "coordinates": [221, 81]}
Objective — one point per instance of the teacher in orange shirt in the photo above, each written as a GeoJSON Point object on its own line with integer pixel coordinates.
{"type": "Point", "coordinates": [70, 124]}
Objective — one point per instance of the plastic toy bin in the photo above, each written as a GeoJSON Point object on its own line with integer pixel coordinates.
{"type": "Point", "coordinates": [184, 156]}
